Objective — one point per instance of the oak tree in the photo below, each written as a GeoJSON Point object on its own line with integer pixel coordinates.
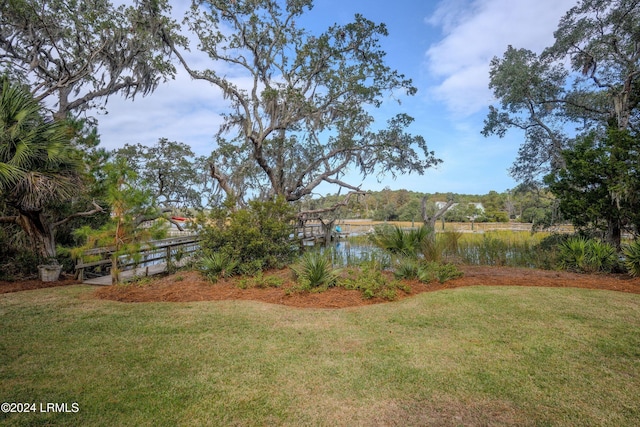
{"type": "Point", "coordinates": [583, 86]}
{"type": "Point", "coordinates": [75, 54]}
{"type": "Point", "coordinates": [300, 103]}
{"type": "Point", "coordinates": [175, 175]}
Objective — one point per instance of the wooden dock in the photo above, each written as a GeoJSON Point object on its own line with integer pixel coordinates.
{"type": "Point", "coordinates": [129, 275]}
{"type": "Point", "coordinates": [313, 233]}
{"type": "Point", "coordinates": [155, 256]}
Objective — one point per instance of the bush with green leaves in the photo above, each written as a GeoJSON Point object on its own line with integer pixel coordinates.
{"type": "Point", "coordinates": [372, 282]}
{"type": "Point", "coordinates": [425, 271]}
{"type": "Point", "coordinates": [587, 255]}
{"type": "Point", "coordinates": [631, 253]}
{"type": "Point", "coordinates": [257, 237]}
{"type": "Point", "coordinates": [17, 263]}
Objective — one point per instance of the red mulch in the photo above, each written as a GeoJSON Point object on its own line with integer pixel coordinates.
{"type": "Point", "coordinates": [191, 286]}
{"type": "Point", "coordinates": [29, 284]}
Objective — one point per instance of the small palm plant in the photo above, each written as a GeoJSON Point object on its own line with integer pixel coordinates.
{"type": "Point", "coordinates": [216, 265]}
{"type": "Point", "coordinates": [401, 242]}
{"type": "Point", "coordinates": [573, 253]}
{"type": "Point", "coordinates": [601, 256]}
{"type": "Point", "coordinates": [315, 270]}
{"type": "Point", "coordinates": [632, 258]}
{"type": "Point", "coordinates": [587, 255]}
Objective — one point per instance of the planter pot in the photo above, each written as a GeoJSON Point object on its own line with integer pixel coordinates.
{"type": "Point", "coordinates": [49, 273]}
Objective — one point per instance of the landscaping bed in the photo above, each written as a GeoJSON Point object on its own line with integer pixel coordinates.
{"type": "Point", "coordinates": [191, 286]}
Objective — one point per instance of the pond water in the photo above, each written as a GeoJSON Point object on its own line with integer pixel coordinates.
{"type": "Point", "coordinates": [355, 251]}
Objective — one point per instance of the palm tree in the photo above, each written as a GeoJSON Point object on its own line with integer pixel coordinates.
{"type": "Point", "coordinates": [38, 167]}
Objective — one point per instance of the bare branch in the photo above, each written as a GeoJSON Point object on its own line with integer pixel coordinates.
{"type": "Point", "coordinates": [9, 219]}
{"type": "Point", "coordinates": [315, 212]}
{"type": "Point", "coordinates": [96, 208]}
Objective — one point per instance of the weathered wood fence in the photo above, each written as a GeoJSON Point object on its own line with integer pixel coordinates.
{"type": "Point", "coordinates": [166, 250]}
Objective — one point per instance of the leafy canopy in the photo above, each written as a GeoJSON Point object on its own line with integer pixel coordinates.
{"type": "Point", "coordinates": [300, 103]}
{"type": "Point", "coordinates": [77, 53]}
{"type": "Point", "coordinates": [578, 106]}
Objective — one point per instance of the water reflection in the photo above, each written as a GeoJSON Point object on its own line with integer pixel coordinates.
{"type": "Point", "coordinates": [355, 252]}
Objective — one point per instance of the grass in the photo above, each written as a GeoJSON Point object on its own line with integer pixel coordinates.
{"type": "Point", "coordinates": [468, 356]}
{"type": "Point", "coordinates": [504, 247]}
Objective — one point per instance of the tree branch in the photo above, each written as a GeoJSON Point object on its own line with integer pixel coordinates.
{"type": "Point", "coordinates": [150, 217]}
{"type": "Point", "coordinates": [97, 208]}
{"type": "Point", "coordinates": [8, 219]}
{"type": "Point", "coordinates": [305, 214]}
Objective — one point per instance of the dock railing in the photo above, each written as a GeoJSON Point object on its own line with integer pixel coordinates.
{"type": "Point", "coordinates": [165, 250]}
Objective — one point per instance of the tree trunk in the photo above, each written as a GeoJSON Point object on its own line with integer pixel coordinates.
{"type": "Point", "coordinates": [40, 233]}
{"type": "Point", "coordinates": [430, 221]}
{"type": "Point", "coordinates": [614, 233]}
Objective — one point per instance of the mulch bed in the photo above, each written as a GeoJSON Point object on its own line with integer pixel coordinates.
{"type": "Point", "coordinates": [30, 284]}
{"type": "Point", "coordinates": [191, 286]}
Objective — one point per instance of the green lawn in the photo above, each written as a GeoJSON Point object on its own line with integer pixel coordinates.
{"type": "Point", "coordinates": [470, 356]}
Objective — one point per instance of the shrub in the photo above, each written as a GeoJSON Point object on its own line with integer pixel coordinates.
{"type": "Point", "coordinates": [16, 260]}
{"type": "Point", "coordinates": [546, 253]}
{"type": "Point", "coordinates": [218, 264]}
{"type": "Point", "coordinates": [18, 264]}
{"type": "Point", "coordinates": [632, 258]}
{"type": "Point", "coordinates": [258, 237]}
{"type": "Point", "coordinates": [398, 241]}
{"type": "Point", "coordinates": [586, 255]}
{"type": "Point", "coordinates": [373, 283]}
{"type": "Point", "coordinates": [315, 270]}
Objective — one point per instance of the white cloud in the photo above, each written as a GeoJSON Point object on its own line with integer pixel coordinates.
{"type": "Point", "coordinates": [181, 110]}
{"type": "Point", "coordinates": [477, 30]}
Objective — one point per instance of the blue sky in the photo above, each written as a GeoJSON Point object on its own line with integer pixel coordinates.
{"type": "Point", "coordinates": [443, 46]}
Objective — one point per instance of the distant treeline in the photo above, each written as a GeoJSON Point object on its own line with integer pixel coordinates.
{"type": "Point", "coordinates": [522, 204]}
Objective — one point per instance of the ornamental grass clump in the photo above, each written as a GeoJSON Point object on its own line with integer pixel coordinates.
{"type": "Point", "coordinates": [438, 246]}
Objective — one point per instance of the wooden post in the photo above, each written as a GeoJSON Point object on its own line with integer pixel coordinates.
{"type": "Point", "coordinates": [79, 270]}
